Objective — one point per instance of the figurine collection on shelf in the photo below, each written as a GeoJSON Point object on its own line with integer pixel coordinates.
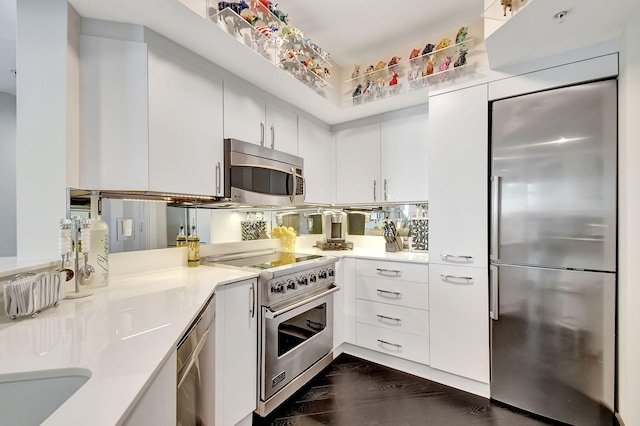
{"type": "Point", "coordinates": [267, 30]}
{"type": "Point", "coordinates": [430, 65]}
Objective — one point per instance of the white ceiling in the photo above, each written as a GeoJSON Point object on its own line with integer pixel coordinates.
{"type": "Point", "coordinates": [354, 30]}
{"type": "Point", "coordinates": [7, 46]}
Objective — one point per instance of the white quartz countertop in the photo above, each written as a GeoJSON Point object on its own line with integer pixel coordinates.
{"type": "Point", "coordinates": [122, 334]}
{"type": "Point", "coordinates": [14, 265]}
{"type": "Point", "coordinates": [370, 253]}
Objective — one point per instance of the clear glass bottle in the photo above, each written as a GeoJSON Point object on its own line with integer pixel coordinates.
{"type": "Point", "coordinates": [181, 239]}
{"type": "Point", "coordinates": [99, 244]}
{"type": "Point", "coordinates": [193, 245]}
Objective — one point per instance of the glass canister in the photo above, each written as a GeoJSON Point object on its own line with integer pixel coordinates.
{"type": "Point", "coordinates": [419, 230]}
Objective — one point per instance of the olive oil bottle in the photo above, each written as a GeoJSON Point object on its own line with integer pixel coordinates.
{"type": "Point", "coordinates": [193, 245]}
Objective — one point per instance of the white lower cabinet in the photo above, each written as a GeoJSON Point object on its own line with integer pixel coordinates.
{"type": "Point", "coordinates": [236, 334]}
{"type": "Point", "coordinates": [459, 320]}
{"type": "Point", "coordinates": [392, 314]}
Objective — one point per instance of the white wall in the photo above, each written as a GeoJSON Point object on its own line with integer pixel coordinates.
{"type": "Point", "coordinates": [629, 226]}
{"type": "Point", "coordinates": [7, 175]}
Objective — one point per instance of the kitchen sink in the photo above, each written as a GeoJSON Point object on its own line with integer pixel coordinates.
{"type": "Point", "coordinates": [28, 398]}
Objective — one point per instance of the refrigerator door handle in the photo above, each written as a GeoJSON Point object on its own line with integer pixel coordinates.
{"type": "Point", "coordinates": [493, 308]}
{"type": "Point", "coordinates": [495, 218]}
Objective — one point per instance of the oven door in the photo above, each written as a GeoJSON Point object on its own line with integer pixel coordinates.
{"type": "Point", "coordinates": [294, 338]}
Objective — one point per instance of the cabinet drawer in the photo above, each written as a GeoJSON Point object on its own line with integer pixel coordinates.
{"type": "Point", "coordinates": [401, 271]}
{"type": "Point", "coordinates": [397, 318]}
{"type": "Point", "coordinates": [396, 343]}
{"type": "Point", "coordinates": [401, 293]}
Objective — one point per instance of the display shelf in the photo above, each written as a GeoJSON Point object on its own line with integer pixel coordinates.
{"type": "Point", "coordinates": [269, 33]}
{"type": "Point", "coordinates": [496, 11]}
{"type": "Point", "coordinates": [412, 74]}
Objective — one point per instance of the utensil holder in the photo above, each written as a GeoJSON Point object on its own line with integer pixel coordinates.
{"type": "Point", "coordinates": [28, 294]}
{"type": "Point", "coordinates": [393, 247]}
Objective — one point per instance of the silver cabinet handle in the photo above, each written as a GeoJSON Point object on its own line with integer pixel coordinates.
{"type": "Point", "coordinates": [388, 271]}
{"type": "Point", "coordinates": [384, 342]}
{"type": "Point", "coordinates": [495, 218]}
{"type": "Point", "coordinates": [374, 189]}
{"type": "Point", "coordinates": [385, 190]}
{"type": "Point", "coordinates": [262, 133]}
{"type": "Point", "coordinates": [494, 313]}
{"type": "Point", "coordinates": [455, 277]}
{"type": "Point", "coordinates": [218, 178]}
{"type": "Point", "coordinates": [273, 136]}
{"type": "Point", "coordinates": [395, 293]}
{"type": "Point", "coordinates": [456, 257]}
{"type": "Point", "coordinates": [384, 317]}
{"type": "Point", "coordinates": [252, 294]}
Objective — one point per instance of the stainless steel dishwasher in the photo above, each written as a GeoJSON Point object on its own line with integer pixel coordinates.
{"type": "Point", "coordinates": [195, 380]}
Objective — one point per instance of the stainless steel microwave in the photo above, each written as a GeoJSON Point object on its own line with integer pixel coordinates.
{"type": "Point", "coordinates": [257, 175]}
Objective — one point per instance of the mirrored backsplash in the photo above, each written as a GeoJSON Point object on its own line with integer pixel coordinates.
{"type": "Point", "coordinates": [143, 225]}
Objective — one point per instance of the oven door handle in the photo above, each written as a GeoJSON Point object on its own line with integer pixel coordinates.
{"type": "Point", "coordinates": [270, 314]}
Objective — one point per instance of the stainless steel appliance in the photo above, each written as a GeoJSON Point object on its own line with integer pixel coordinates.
{"type": "Point", "coordinates": [334, 230]}
{"type": "Point", "coordinates": [254, 174]}
{"type": "Point", "coordinates": [553, 252]}
{"type": "Point", "coordinates": [195, 381]}
{"type": "Point", "coordinates": [296, 322]}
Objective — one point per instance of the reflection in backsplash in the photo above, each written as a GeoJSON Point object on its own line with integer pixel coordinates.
{"type": "Point", "coordinates": [156, 225]}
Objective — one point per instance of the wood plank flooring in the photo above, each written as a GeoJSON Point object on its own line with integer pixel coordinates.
{"type": "Point", "coordinates": [354, 392]}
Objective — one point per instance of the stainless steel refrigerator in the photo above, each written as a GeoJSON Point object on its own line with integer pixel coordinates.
{"type": "Point", "coordinates": [553, 252]}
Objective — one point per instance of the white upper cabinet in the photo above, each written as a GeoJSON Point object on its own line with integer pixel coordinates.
{"type": "Point", "coordinates": [317, 147]}
{"type": "Point", "coordinates": [282, 129]}
{"type": "Point", "coordinates": [358, 165]}
{"type": "Point", "coordinates": [251, 119]}
{"type": "Point", "coordinates": [185, 128]}
{"type": "Point", "coordinates": [113, 114]}
{"type": "Point", "coordinates": [404, 156]}
{"type": "Point", "coordinates": [458, 177]}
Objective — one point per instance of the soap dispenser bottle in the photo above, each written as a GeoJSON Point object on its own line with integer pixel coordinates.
{"type": "Point", "coordinates": [99, 243]}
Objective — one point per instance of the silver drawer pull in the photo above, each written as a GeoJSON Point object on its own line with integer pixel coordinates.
{"type": "Point", "coordinates": [456, 258]}
{"type": "Point", "coordinates": [455, 277]}
{"type": "Point", "coordinates": [383, 317]}
{"type": "Point", "coordinates": [394, 293]}
{"type": "Point", "coordinates": [382, 342]}
{"type": "Point", "coordinates": [388, 271]}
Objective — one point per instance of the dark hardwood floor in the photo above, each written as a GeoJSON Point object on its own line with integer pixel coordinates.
{"type": "Point", "coordinates": [354, 392]}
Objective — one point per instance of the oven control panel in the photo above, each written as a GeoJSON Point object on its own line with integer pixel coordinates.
{"type": "Point", "coordinates": [298, 283]}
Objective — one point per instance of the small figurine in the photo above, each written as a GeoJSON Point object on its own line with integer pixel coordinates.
{"type": "Point", "coordinates": [356, 71]}
{"type": "Point", "coordinates": [357, 93]}
{"type": "Point", "coordinates": [326, 72]}
{"type": "Point", "coordinates": [462, 34]}
{"type": "Point", "coordinates": [444, 43]}
{"type": "Point", "coordinates": [428, 48]}
{"type": "Point", "coordinates": [369, 70]}
{"type": "Point", "coordinates": [461, 59]}
{"type": "Point", "coordinates": [394, 61]}
{"type": "Point", "coordinates": [505, 4]}
{"type": "Point", "coordinates": [367, 87]}
{"type": "Point", "coordinates": [379, 87]}
{"type": "Point", "coordinates": [394, 79]}
{"type": "Point", "coordinates": [251, 19]}
{"type": "Point", "coordinates": [308, 62]}
{"type": "Point", "coordinates": [413, 76]}
{"type": "Point", "coordinates": [281, 16]}
{"type": "Point", "coordinates": [380, 65]}
{"type": "Point", "coordinates": [239, 6]}
{"type": "Point", "coordinates": [414, 54]}
{"type": "Point", "coordinates": [267, 31]}
{"type": "Point", "coordinates": [266, 3]}
{"type": "Point", "coordinates": [430, 64]}
{"type": "Point", "coordinates": [445, 65]}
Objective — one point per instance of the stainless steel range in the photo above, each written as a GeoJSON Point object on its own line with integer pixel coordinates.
{"type": "Point", "coordinates": [295, 292]}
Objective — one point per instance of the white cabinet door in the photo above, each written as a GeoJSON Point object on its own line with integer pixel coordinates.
{"type": "Point", "coordinates": [282, 129]}
{"type": "Point", "coordinates": [185, 128]}
{"type": "Point", "coordinates": [244, 116]}
{"type": "Point", "coordinates": [317, 147]}
{"type": "Point", "coordinates": [236, 352]}
{"type": "Point", "coordinates": [459, 320]}
{"type": "Point", "coordinates": [113, 114]}
{"type": "Point", "coordinates": [358, 165]}
{"type": "Point", "coordinates": [403, 158]}
{"type": "Point", "coordinates": [458, 177]}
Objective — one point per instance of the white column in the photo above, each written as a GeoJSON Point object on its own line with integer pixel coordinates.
{"type": "Point", "coordinates": [7, 175]}
{"type": "Point", "coordinates": [41, 124]}
{"type": "Point", "coordinates": [629, 225]}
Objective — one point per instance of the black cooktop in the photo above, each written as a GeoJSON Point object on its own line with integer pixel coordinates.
{"type": "Point", "coordinates": [271, 260]}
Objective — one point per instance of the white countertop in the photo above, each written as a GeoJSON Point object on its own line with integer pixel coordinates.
{"type": "Point", "coordinates": [14, 265]}
{"type": "Point", "coordinates": [122, 333]}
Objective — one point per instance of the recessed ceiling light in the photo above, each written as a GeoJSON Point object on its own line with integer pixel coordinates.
{"type": "Point", "coordinates": [561, 16]}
